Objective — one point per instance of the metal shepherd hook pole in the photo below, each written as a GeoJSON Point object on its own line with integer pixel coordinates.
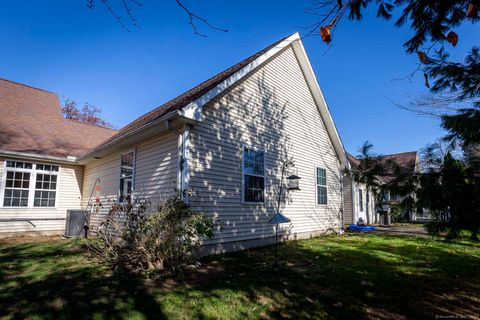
{"type": "Point", "coordinates": [293, 184]}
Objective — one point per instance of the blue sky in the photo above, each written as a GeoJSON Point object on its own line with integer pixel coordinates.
{"type": "Point", "coordinates": [84, 55]}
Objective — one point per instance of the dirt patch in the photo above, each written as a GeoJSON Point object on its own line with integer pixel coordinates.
{"type": "Point", "coordinates": [405, 231]}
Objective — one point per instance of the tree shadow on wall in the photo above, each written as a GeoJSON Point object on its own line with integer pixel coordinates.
{"type": "Point", "coordinates": [243, 116]}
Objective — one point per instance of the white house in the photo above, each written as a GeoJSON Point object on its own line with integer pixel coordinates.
{"type": "Point", "coordinates": [361, 201]}
{"type": "Point", "coordinates": [220, 144]}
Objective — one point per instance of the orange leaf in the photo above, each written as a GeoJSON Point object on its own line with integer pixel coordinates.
{"type": "Point", "coordinates": [325, 33]}
{"type": "Point", "coordinates": [452, 37]}
{"type": "Point", "coordinates": [422, 56]}
{"type": "Point", "coordinates": [471, 11]}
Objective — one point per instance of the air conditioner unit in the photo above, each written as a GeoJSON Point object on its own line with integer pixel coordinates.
{"type": "Point", "coordinates": [77, 223]}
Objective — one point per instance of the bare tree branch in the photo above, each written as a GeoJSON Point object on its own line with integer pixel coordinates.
{"type": "Point", "coordinates": [91, 5]}
{"type": "Point", "coordinates": [435, 105]}
{"type": "Point", "coordinates": [130, 12]}
{"type": "Point", "coordinates": [193, 18]}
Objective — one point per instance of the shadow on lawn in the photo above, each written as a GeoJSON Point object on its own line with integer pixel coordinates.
{"type": "Point", "coordinates": [316, 278]}
{"type": "Point", "coordinates": [74, 289]}
{"type": "Point", "coordinates": [357, 281]}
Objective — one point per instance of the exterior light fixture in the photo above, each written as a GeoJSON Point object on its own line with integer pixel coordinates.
{"type": "Point", "coordinates": [293, 182]}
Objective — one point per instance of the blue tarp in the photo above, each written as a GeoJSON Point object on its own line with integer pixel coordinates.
{"type": "Point", "coordinates": [354, 227]}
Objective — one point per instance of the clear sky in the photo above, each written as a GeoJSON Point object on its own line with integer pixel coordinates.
{"type": "Point", "coordinates": [85, 56]}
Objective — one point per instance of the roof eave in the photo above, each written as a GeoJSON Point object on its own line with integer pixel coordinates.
{"type": "Point", "coordinates": [38, 157]}
{"type": "Point", "coordinates": [146, 131]}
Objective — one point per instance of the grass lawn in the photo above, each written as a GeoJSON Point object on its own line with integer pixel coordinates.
{"type": "Point", "coordinates": [353, 276]}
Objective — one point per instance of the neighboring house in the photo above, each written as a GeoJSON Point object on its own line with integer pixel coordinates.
{"type": "Point", "coordinates": [363, 203]}
{"type": "Point", "coordinates": [222, 145]}
{"type": "Point", "coordinates": [39, 175]}
{"type": "Point", "coordinates": [360, 202]}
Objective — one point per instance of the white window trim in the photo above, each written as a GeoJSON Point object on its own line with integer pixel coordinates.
{"type": "Point", "coordinates": [134, 166]}
{"type": "Point", "coordinates": [32, 184]}
{"type": "Point", "coordinates": [255, 175]}
{"type": "Point", "coordinates": [317, 185]}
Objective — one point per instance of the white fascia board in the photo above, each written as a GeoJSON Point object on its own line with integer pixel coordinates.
{"type": "Point", "coordinates": [320, 101]}
{"type": "Point", "coordinates": [194, 109]}
{"type": "Point", "coordinates": [38, 157]}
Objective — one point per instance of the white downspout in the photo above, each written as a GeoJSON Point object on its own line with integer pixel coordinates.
{"type": "Point", "coordinates": [185, 174]}
{"type": "Point", "coordinates": [183, 155]}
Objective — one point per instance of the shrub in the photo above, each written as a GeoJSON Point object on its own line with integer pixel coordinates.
{"type": "Point", "coordinates": [144, 238]}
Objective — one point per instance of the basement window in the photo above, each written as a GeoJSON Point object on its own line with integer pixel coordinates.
{"type": "Point", "coordinates": [253, 175]}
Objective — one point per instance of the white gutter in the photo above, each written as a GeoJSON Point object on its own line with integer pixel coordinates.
{"type": "Point", "coordinates": [33, 156]}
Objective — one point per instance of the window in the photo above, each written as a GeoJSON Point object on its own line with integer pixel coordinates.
{"type": "Point", "coordinates": [126, 176]}
{"type": "Point", "coordinates": [16, 189]}
{"type": "Point", "coordinates": [321, 186]}
{"type": "Point", "coordinates": [360, 198]}
{"type": "Point", "coordinates": [29, 184]}
{"type": "Point", "coordinates": [45, 187]}
{"type": "Point", "coordinates": [253, 175]}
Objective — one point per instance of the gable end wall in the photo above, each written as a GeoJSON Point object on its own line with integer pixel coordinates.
{"type": "Point", "coordinates": [271, 109]}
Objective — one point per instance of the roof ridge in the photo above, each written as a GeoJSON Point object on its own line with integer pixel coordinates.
{"type": "Point", "coordinates": [90, 124]}
{"type": "Point", "coordinates": [26, 85]}
{"type": "Point", "coordinates": [397, 153]}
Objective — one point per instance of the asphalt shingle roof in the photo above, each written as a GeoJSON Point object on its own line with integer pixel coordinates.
{"type": "Point", "coordinates": [184, 99]}
{"type": "Point", "coordinates": [31, 121]}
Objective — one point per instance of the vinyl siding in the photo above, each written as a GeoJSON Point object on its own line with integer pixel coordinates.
{"type": "Point", "coordinates": [347, 201]}
{"type": "Point", "coordinates": [68, 197]}
{"type": "Point", "coordinates": [273, 110]}
{"type": "Point", "coordinates": [155, 174]}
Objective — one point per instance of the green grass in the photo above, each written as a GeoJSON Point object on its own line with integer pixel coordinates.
{"type": "Point", "coordinates": [352, 276]}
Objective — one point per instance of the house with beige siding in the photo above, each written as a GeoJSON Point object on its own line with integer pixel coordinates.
{"type": "Point", "coordinates": [40, 178]}
{"type": "Point", "coordinates": [221, 145]}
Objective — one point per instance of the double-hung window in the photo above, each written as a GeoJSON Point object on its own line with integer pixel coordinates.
{"type": "Point", "coordinates": [253, 175]}
{"type": "Point", "coordinates": [321, 181]}
{"type": "Point", "coordinates": [126, 176]}
{"type": "Point", "coordinates": [45, 185]}
{"type": "Point", "coordinates": [29, 184]}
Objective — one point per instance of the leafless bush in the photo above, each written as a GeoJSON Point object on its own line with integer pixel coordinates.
{"type": "Point", "coordinates": [151, 238]}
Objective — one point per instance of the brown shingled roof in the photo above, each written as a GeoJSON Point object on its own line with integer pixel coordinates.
{"type": "Point", "coordinates": [405, 160]}
{"type": "Point", "coordinates": [191, 95]}
{"type": "Point", "coordinates": [31, 121]}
